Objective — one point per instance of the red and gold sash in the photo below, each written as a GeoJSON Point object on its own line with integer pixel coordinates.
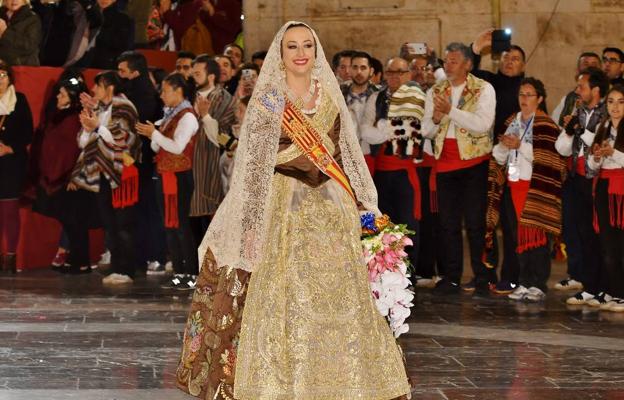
{"type": "Point", "coordinates": [307, 139]}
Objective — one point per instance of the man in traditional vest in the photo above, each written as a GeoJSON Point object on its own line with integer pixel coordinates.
{"type": "Point", "coordinates": [391, 124]}
{"type": "Point", "coordinates": [459, 113]}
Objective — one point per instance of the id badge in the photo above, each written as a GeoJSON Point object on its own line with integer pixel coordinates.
{"type": "Point", "coordinates": [513, 171]}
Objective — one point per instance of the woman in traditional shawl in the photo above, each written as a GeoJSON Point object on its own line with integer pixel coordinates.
{"type": "Point", "coordinates": [526, 174]}
{"type": "Point", "coordinates": [607, 161]}
{"type": "Point", "coordinates": [285, 243]}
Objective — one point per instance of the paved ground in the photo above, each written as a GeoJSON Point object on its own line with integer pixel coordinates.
{"type": "Point", "coordinates": [68, 337]}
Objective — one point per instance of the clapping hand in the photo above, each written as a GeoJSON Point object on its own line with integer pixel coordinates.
{"type": "Point", "coordinates": [146, 129]}
{"type": "Point", "coordinates": [607, 150]}
{"type": "Point", "coordinates": [202, 106]}
{"type": "Point", "coordinates": [87, 101]}
{"type": "Point", "coordinates": [4, 149]}
{"type": "Point", "coordinates": [441, 107]}
{"type": "Point", "coordinates": [89, 120]}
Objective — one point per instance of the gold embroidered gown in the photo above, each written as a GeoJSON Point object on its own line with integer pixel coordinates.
{"type": "Point", "coordinates": [310, 329]}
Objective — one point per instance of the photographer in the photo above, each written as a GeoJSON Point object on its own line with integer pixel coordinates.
{"type": "Point", "coordinates": [578, 204]}
{"type": "Point", "coordinates": [246, 77]}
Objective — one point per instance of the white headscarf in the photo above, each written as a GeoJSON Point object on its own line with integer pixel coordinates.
{"type": "Point", "coordinates": [8, 101]}
{"type": "Point", "coordinates": [236, 234]}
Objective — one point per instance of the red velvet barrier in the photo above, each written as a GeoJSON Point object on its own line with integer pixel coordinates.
{"type": "Point", "coordinates": [161, 59]}
{"type": "Point", "coordinates": [39, 236]}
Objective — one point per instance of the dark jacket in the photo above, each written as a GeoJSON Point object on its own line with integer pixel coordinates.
{"type": "Point", "coordinates": [16, 132]}
{"type": "Point", "coordinates": [57, 24]}
{"type": "Point", "coordinates": [144, 96]}
{"type": "Point", "coordinates": [115, 36]}
{"type": "Point", "coordinates": [19, 45]}
{"type": "Point", "coordinates": [507, 88]}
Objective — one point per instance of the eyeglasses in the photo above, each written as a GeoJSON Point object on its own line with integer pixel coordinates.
{"type": "Point", "coordinates": [3, 75]}
{"type": "Point", "coordinates": [527, 95]}
{"type": "Point", "coordinates": [396, 72]}
{"type": "Point", "coordinates": [183, 67]}
{"type": "Point", "coordinates": [608, 60]}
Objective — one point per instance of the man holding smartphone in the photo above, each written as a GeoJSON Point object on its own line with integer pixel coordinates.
{"type": "Point", "coordinates": [506, 83]}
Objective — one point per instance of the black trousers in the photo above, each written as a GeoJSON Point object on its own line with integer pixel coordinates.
{"type": "Point", "coordinates": [396, 199]}
{"type": "Point", "coordinates": [510, 269]}
{"type": "Point", "coordinates": [120, 225]}
{"type": "Point", "coordinates": [611, 275]}
{"type": "Point", "coordinates": [76, 219]}
{"type": "Point", "coordinates": [462, 195]}
{"type": "Point", "coordinates": [150, 227]}
{"type": "Point", "coordinates": [534, 264]}
{"type": "Point", "coordinates": [180, 243]}
{"type": "Point", "coordinates": [199, 226]}
{"type": "Point", "coordinates": [578, 223]}
{"type": "Point", "coordinates": [431, 249]}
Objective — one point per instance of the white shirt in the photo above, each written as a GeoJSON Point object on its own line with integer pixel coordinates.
{"type": "Point", "coordinates": [564, 141]}
{"type": "Point", "coordinates": [524, 154]}
{"type": "Point", "coordinates": [481, 120]}
{"type": "Point", "coordinates": [357, 108]}
{"type": "Point", "coordinates": [187, 127]}
{"type": "Point", "coordinates": [369, 133]}
{"type": "Point", "coordinates": [614, 161]}
{"type": "Point", "coordinates": [210, 126]}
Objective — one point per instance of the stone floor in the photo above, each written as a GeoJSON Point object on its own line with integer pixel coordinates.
{"type": "Point", "coordinates": [68, 337]}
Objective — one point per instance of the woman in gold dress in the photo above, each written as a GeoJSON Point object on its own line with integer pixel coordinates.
{"type": "Point", "coordinates": [283, 308]}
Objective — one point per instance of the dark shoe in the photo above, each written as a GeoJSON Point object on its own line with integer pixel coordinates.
{"type": "Point", "coordinates": [188, 283]}
{"type": "Point", "coordinates": [9, 263]}
{"type": "Point", "coordinates": [504, 287]}
{"type": "Point", "coordinates": [176, 281]}
{"type": "Point", "coordinates": [470, 286]}
{"type": "Point", "coordinates": [85, 269]}
{"type": "Point", "coordinates": [446, 287]}
{"type": "Point", "coordinates": [482, 291]}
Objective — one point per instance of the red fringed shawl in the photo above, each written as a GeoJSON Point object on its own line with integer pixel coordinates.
{"type": "Point", "coordinates": [541, 213]}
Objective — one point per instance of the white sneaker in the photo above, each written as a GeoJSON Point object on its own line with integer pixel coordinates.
{"type": "Point", "coordinates": [169, 266]}
{"type": "Point", "coordinates": [118, 279]}
{"type": "Point", "coordinates": [569, 284]}
{"type": "Point", "coordinates": [607, 306]}
{"type": "Point", "coordinates": [600, 299]}
{"type": "Point", "coordinates": [156, 268]}
{"type": "Point", "coordinates": [618, 306]}
{"type": "Point", "coordinates": [579, 299]}
{"type": "Point", "coordinates": [519, 293]}
{"type": "Point", "coordinates": [105, 258]}
{"type": "Point", "coordinates": [535, 294]}
{"type": "Point", "coordinates": [424, 282]}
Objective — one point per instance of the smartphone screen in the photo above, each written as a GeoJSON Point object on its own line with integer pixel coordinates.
{"type": "Point", "coordinates": [501, 40]}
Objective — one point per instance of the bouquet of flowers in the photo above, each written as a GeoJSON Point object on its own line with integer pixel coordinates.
{"type": "Point", "coordinates": [384, 253]}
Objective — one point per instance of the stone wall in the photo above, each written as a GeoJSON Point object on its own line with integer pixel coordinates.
{"type": "Point", "coordinates": [380, 26]}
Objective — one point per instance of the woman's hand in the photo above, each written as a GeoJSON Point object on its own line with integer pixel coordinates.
{"type": "Point", "coordinates": [607, 150]}
{"type": "Point", "coordinates": [596, 152]}
{"type": "Point", "coordinates": [3, 26]}
{"type": "Point", "coordinates": [512, 142]}
{"type": "Point", "coordinates": [87, 101]}
{"type": "Point", "coordinates": [88, 120]}
{"type": "Point", "coordinates": [4, 150]}
{"type": "Point", "coordinates": [147, 129]}
{"type": "Point", "coordinates": [71, 186]}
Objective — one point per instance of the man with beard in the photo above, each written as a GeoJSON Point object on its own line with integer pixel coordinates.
{"type": "Point", "coordinates": [613, 64]}
{"type": "Point", "coordinates": [184, 63]}
{"type": "Point", "coordinates": [132, 69]}
{"type": "Point", "coordinates": [216, 109]}
{"type": "Point", "coordinates": [356, 94]}
{"type": "Point", "coordinates": [574, 142]}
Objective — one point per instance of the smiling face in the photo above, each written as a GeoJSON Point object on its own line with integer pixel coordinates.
{"type": "Point", "coordinates": [298, 51]}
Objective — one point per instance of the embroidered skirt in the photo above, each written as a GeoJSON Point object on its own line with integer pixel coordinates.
{"type": "Point", "coordinates": [310, 329]}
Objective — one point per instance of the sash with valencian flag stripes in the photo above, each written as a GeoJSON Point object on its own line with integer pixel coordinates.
{"type": "Point", "coordinates": [307, 139]}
